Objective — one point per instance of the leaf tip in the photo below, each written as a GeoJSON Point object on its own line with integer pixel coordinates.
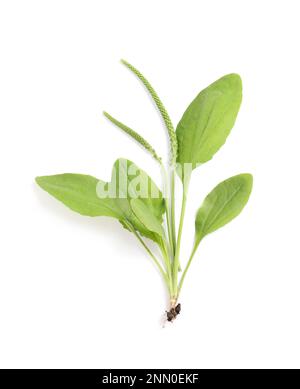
{"type": "Point", "coordinates": [38, 179]}
{"type": "Point", "coordinates": [234, 78]}
{"type": "Point", "coordinates": [41, 181]}
{"type": "Point", "coordinates": [247, 180]}
{"type": "Point", "coordinates": [248, 177]}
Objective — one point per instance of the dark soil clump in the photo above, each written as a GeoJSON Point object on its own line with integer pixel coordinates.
{"type": "Point", "coordinates": [173, 312]}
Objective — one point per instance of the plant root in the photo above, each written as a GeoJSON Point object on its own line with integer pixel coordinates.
{"type": "Point", "coordinates": [173, 312]}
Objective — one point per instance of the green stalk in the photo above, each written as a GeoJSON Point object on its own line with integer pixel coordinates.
{"type": "Point", "coordinates": [173, 227]}
{"type": "Point", "coordinates": [168, 211]}
{"type": "Point", "coordinates": [186, 269]}
{"type": "Point", "coordinates": [186, 182]}
{"type": "Point", "coordinates": [166, 257]}
{"type": "Point", "coordinates": [165, 276]}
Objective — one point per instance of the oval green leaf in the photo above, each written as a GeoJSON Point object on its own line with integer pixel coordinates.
{"type": "Point", "coordinates": [90, 196]}
{"type": "Point", "coordinates": [79, 193]}
{"type": "Point", "coordinates": [208, 120]}
{"type": "Point", "coordinates": [222, 204]}
{"type": "Point", "coordinates": [146, 217]}
{"type": "Point", "coordinates": [131, 182]}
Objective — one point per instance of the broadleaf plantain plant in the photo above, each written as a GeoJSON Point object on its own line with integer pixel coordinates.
{"type": "Point", "coordinates": [135, 201]}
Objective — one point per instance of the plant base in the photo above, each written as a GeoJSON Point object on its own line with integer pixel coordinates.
{"type": "Point", "coordinates": [174, 311]}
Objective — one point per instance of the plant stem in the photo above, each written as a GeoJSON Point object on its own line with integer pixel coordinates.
{"type": "Point", "coordinates": [177, 253]}
{"type": "Point", "coordinates": [186, 182]}
{"type": "Point", "coordinates": [173, 227]}
{"type": "Point", "coordinates": [186, 269]}
{"type": "Point", "coordinates": [168, 211]}
{"type": "Point", "coordinates": [166, 278]}
{"type": "Point", "coordinates": [164, 252]}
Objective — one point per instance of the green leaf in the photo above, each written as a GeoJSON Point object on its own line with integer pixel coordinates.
{"type": "Point", "coordinates": [146, 217]}
{"type": "Point", "coordinates": [222, 204]}
{"type": "Point", "coordinates": [92, 197]}
{"type": "Point", "coordinates": [79, 193]}
{"type": "Point", "coordinates": [131, 182]}
{"type": "Point", "coordinates": [208, 120]}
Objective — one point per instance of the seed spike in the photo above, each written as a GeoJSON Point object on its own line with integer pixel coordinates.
{"type": "Point", "coordinates": [161, 108]}
{"type": "Point", "coordinates": [142, 141]}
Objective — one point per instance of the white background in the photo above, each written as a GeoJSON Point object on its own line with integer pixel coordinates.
{"type": "Point", "coordinates": [77, 292]}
